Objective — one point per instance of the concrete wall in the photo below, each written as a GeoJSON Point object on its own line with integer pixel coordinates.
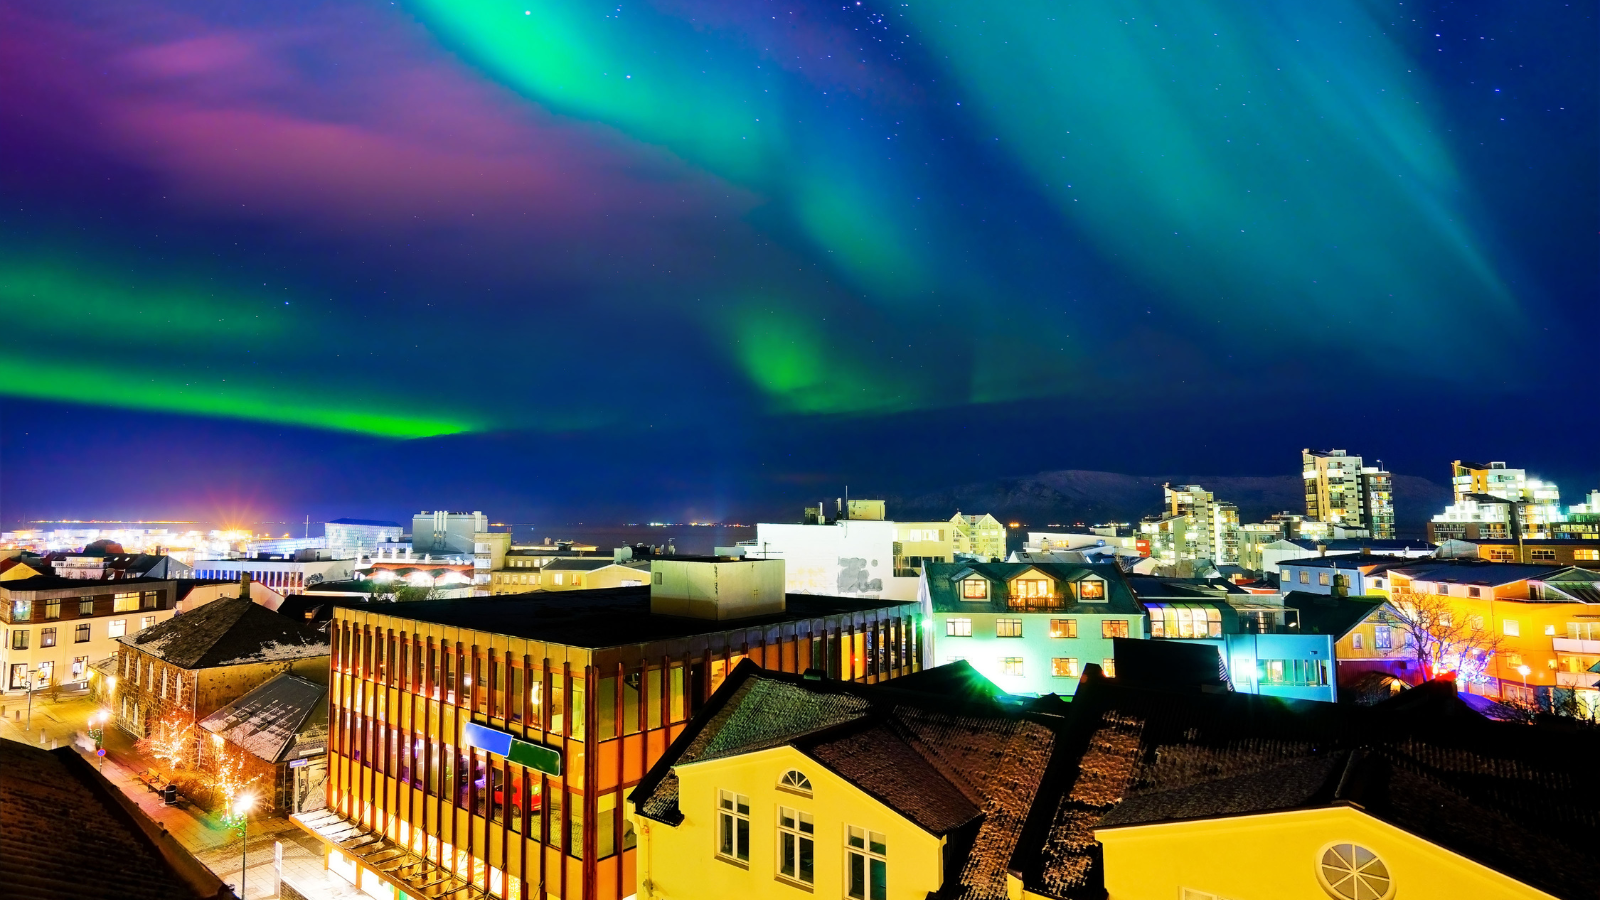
{"type": "Point", "coordinates": [850, 559]}
{"type": "Point", "coordinates": [716, 590]}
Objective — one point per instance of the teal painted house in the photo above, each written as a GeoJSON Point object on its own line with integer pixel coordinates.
{"type": "Point", "coordinates": [1028, 627]}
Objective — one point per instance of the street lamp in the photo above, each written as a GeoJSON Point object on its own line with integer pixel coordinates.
{"type": "Point", "coordinates": [241, 808]}
{"type": "Point", "coordinates": [1523, 671]}
{"type": "Point", "coordinates": [97, 730]}
{"type": "Point", "coordinates": [33, 675]}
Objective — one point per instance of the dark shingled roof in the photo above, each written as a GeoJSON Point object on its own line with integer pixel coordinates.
{"type": "Point", "coordinates": [964, 766]}
{"type": "Point", "coordinates": [65, 832]}
{"type": "Point", "coordinates": [226, 632]}
{"type": "Point", "coordinates": [942, 579]}
{"type": "Point", "coordinates": [1513, 797]}
{"type": "Point", "coordinates": [1322, 614]}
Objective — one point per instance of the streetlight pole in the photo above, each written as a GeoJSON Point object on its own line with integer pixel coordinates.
{"type": "Point", "coordinates": [33, 674]}
{"type": "Point", "coordinates": [241, 808]}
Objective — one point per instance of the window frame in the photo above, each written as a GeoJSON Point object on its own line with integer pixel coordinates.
{"type": "Point", "coordinates": [733, 827]}
{"type": "Point", "coordinates": [803, 833]}
{"type": "Point", "coordinates": [1063, 629]}
{"type": "Point", "coordinates": [1068, 663]}
{"type": "Point", "coordinates": [868, 851]}
{"type": "Point", "coordinates": [958, 626]}
{"type": "Point", "coordinates": [973, 581]}
{"type": "Point", "coordinates": [1007, 624]}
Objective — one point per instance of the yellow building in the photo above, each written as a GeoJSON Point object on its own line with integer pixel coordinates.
{"type": "Point", "coordinates": [789, 786]}
{"type": "Point", "coordinates": [566, 574]}
{"type": "Point", "coordinates": [918, 542]}
{"type": "Point", "coordinates": [982, 536]}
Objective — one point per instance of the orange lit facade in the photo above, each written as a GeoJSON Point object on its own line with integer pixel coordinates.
{"type": "Point", "coordinates": [418, 804]}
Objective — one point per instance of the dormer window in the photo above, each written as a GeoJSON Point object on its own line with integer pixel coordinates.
{"type": "Point", "coordinates": [1091, 590]}
{"type": "Point", "coordinates": [796, 781]}
{"type": "Point", "coordinates": [975, 588]}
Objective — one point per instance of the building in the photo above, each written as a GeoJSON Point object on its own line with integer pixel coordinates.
{"type": "Point", "coordinates": [571, 574]}
{"type": "Point", "coordinates": [981, 536]}
{"type": "Point", "coordinates": [359, 537]}
{"type": "Point", "coordinates": [281, 729]}
{"type": "Point", "coordinates": [197, 663]}
{"type": "Point", "coordinates": [1194, 529]}
{"type": "Point", "coordinates": [1492, 501]}
{"type": "Point", "coordinates": [1261, 643]}
{"type": "Point", "coordinates": [440, 533]}
{"type": "Point", "coordinates": [1560, 552]}
{"type": "Point", "coordinates": [1341, 490]}
{"type": "Point", "coordinates": [69, 833]}
{"type": "Point", "coordinates": [114, 566]}
{"type": "Point", "coordinates": [790, 785]}
{"type": "Point", "coordinates": [1581, 523]}
{"type": "Point", "coordinates": [489, 549]}
{"type": "Point", "coordinates": [1335, 802]}
{"type": "Point", "coordinates": [1029, 628]}
{"type": "Point", "coordinates": [916, 543]}
{"type": "Point", "coordinates": [511, 728]}
{"type": "Point", "coordinates": [1539, 626]}
{"type": "Point", "coordinates": [284, 575]}
{"type": "Point", "coordinates": [846, 558]}
{"type": "Point", "coordinates": [56, 628]}
{"type": "Point", "coordinates": [1272, 555]}
{"type": "Point", "coordinates": [1339, 574]}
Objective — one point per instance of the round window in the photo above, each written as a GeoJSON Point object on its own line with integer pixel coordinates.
{"type": "Point", "coordinates": [1352, 872]}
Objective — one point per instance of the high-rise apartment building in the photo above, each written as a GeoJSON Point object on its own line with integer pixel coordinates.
{"type": "Point", "coordinates": [1492, 501]}
{"type": "Point", "coordinates": [1340, 490]}
{"type": "Point", "coordinates": [1213, 531]}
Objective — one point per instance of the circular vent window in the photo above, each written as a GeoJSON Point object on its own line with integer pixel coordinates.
{"type": "Point", "coordinates": [1352, 872]}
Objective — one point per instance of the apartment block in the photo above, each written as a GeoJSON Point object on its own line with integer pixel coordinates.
{"type": "Point", "coordinates": [1341, 490]}
{"type": "Point", "coordinates": [58, 628]}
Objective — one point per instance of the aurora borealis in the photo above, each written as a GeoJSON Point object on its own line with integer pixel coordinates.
{"type": "Point", "coordinates": [750, 234]}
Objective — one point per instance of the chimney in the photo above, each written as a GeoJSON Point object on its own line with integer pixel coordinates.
{"type": "Point", "coordinates": [1322, 549]}
{"type": "Point", "coordinates": [244, 585]}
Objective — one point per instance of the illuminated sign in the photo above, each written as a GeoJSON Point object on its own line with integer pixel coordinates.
{"type": "Point", "coordinates": [534, 756]}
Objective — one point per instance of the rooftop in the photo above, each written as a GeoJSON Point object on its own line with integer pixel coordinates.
{"type": "Point", "coordinates": [606, 617]}
{"type": "Point", "coordinates": [227, 632]}
{"type": "Point", "coordinates": [943, 578]}
{"type": "Point", "coordinates": [1475, 572]}
{"type": "Point", "coordinates": [1346, 561]}
{"type": "Point", "coordinates": [81, 585]}
{"type": "Point", "coordinates": [371, 523]}
{"type": "Point", "coordinates": [267, 721]}
{"type": "Point", "coordinates": [65, 832]}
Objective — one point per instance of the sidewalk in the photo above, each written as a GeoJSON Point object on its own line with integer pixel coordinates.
{"type": "Point", "coordinates": [218, 847]}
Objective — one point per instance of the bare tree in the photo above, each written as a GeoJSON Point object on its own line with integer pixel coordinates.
{"type": "Point", "coordinates": [1443, 639]}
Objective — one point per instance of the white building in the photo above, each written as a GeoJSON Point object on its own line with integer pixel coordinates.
{"type": "Point", "coordinates": [849, 558]}
{"type": "Point", "coordinates": [53, 629]}
{"type": "Point", "coordinates": [285, 576]}
{"type": "Point", "coordinates": [441, 532]}
{"type": "Point", "coordinates": [359, 536]}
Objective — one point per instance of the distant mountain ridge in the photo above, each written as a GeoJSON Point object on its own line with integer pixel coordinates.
{"type": "Point", "coordinates": [1070, 496]}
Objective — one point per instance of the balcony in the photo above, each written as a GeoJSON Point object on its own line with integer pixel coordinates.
{"type": "Point", "coordinates": [1578, 679]}
{"type": "Point", "coordinates": [1575, 645]}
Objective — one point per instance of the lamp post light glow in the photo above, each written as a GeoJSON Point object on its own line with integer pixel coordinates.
{"type": "Point", "coordinates": [241, 809]}
{"type": "Point", "coordinates": [1523, 671]}
{"type": "Point", "coordinates": [97, 730]}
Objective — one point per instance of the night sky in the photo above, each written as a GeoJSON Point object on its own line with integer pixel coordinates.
{"type": "Point", "coordinates": [717, 258]}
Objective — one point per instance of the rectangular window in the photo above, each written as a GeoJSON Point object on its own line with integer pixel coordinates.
{"type": "Point", "coordinates": [1513, 659]}
{"type": "Point", "coordinates": [1322, 578]}
{"type": "Point", "coordinates": [128, 602]}
{"type": "Point", "coordinates": [117, 628]}
{"type": "Point", "coordinates": [86, 606]}
{"type": "Point", "coordinates": [733, 826]}
{"type": "Point", "coordinates": [975, 589]}
{"type": "Point", "coordinates": [146, 622]}
{"type": "Point", "coordinates": [1008, 628]}
{"type": "Point", "coordinates": [796, 845]}
{"type": "Point", "coordinates": [1091, 589]}
{"type": "Point", "coordinates": [1355, 640]}
{"type": "Point", "coordinates": [1109, 666]}
{"type": "Point", "coordinates": [1110, 628]}
{"type": "Point", "coordinates": [1382, 637]}
{"type": "Point", "coordinates": [1305, 577]}
{"type": "Point", "coordinates": [22, 610]}
{"type": "Point", "coordinates": [1474, 592]}
{"type": "Point", "coordinates": [1476, 623]}
{"type": "Point", "coordinates": [1063, 628]}
{"type": "Point", "coordinates": [866, 864]}
{"type": "Point", "coordinates": [47, 637]}
{"type": "Point", "coordinates": [81, 634]}
{"type": "Point", "coordinates": [1586, 555]}
{"type": "Point", "coordinates": [52, 609]}
{"type": "Point", "coordinates": [1030, 588]}
{"type": "Point", "coordinates": [19, 639]}
{"type": "Point", "coordinates": [1012, 665]}
{"type": "Point", "coordinates": [1064, 667]}
{"type": "Point", "coordinates": [1543, 555]}
{"type": "Point", "coordinates": [958, 628]}
{"type": "Point", "coordinates": [1508, 626]}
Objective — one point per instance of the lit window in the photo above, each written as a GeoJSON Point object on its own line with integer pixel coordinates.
{"type": "Point", "coordinates": [975, 589]}
{"type": "Point", "coordinates": [1513, 659]}
{"type": "Point", "coordinates": [1091, 589]}
{"type": "Point", "coordinates": [1322, 578]}
{"type": "Point", "coordinates": [794, 780]}
{"type": "Point", "coordinates": [1510, 627]}
{"type": "Point", "coordinates": [21, 610]}
{"type": "Point", "coordinates": [1109, 666]}
{"type": "Point", "coordinates": [125, 602]}
{"type": "Point", "coordinates": [19, 639]}
{"type": "Point", "coordinates": [1305, 577]}
{"type": "Point", "coordinates": [1064, 667]}
{"type": "Point", "coordinates": [733, 826]}
{"type": "Point", "coordinates": [1355, 640]}
{"type": "Point", "coordinates": [1030, 588]}
{"type": "Point", "coordinates": [796, 845]}
{"type": "Point", "coordinates": [958, 627]}
{"type": "Point", "coordinates": [1382, 637]}
{"type": "Point", "coordinates": [866, 864]}
{"type": "Point", "coordinates": [1008, 628]}
{"type": "Point", "coordinates": [146, 622]}
{"type": "Point", "coordinates": [117, 628]}
{"type": "Point", "coordinates": [52, 609]}
{"type": "Point", "coordinates": [1542, 555]}
{"type": "Point", "coordinates": [1590, 555]}
{"type": "Point", "coordinates": [47, 637]}
{"type": "Point", "coordinates": [1063, 628]}
{"type": "Point", "coordinates": [86, 606]}
{"type": "Point", "coordinates": [1352, 872]}
{"type": "Point", "coordinates": [81, 634]}
{"type": "Point", "coordinates": [1114, 628]}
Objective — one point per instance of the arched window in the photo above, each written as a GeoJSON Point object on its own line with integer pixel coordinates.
{"type": "Point", "coordinates": [793, 780]}
{"type": "Point", "coordinates": [1352, 872]}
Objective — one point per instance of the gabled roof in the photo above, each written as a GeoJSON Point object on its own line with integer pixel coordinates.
{"type": "Point", "coordinates": [66, 832]}
{"type": "Point", "coordinates": [1513, 797]}
{"type": "Point", "coordinates": [1367, 561]}
{"type": "Point", "coordinates": [951, 765]}
{"type": "Point", "coordinates": [944, 591]}
{"type": "Point", "coordinates": [1475, 572]}
{"type": "Point", "coordinates": [1336, 616]}
{"type": "Point", "coordinates": [593, 564]}
{"type": "Point", "coordinates": [228, 632]}
{"type": "Point", "coordinates": [267, 721]}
